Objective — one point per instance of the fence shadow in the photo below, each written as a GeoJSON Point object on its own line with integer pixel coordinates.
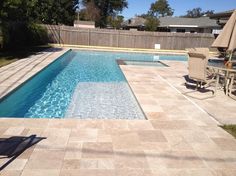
{"type": "Point", "coordinates": [14, 146]}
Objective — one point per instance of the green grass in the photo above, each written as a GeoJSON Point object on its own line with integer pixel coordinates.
{"type": "Point", "coordinates": [230, 129]}
{"type": "Point", "coordinates": [6, 61]}
{"type": "Point", "coordinates": [7, 57]}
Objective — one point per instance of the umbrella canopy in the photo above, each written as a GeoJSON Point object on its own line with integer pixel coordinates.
{"type": "Point", "coordinates": [227, 37]}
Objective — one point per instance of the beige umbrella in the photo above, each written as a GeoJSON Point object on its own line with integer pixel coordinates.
{"type": "Point", "coordinates": [227, 37]}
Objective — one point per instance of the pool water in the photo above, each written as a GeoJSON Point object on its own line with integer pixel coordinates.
{"type": "Point", "coordinates": [79, 84]}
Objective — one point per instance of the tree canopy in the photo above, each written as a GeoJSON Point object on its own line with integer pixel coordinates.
{"type": "Point", "coordinates": [106, 8]}
{"type": "Point", "coordinates": [151, 23]}
{"type": "Point", "coordinates": [90, 12]}
{"type": "Point", "coordinates": [16, 10]}
{"type": "Point", "coordinates": [197, 12]}
{"type": "Point", "coordinates": [115, 22]}
{"type": "Point", "coordinates": [18, 20]}
{"type": "Point", "coordinates": [42, 11]}
{"type": "Point", "coordinates": [56, 11]}
{"type": "Point", "coordinates": [161, 8]}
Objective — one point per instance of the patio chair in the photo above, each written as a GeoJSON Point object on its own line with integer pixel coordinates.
{"type": "Point", "coordinates": [198, 72]}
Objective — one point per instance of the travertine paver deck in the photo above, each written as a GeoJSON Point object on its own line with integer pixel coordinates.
{"type": "Point", "coordinates": [221, 107]}
{"type": "Point", "coordinates": [121, 147]}
{"type": "Point", "coordinates": [178, 139]}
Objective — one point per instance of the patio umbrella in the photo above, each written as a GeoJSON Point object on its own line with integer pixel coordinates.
{"type": "Point", "coordinates": [227, 37]}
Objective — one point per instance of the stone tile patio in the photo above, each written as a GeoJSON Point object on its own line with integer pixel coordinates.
{"type": "Point", "coordinates": [179, 137]}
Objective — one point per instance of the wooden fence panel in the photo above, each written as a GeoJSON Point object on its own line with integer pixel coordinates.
{"type": "Point", "coordinates": [127, 39]}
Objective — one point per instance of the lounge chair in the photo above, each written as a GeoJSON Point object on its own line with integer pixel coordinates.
{"type": "Point", "coordinates": [232, 86]}
{"type": "Point", "coordinates": [232, 78]}
{"type": "Point", "coordinates": [198, 72]}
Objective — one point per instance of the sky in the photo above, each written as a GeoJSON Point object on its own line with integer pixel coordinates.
{"type": "Point", "coordinates": [137, 7]}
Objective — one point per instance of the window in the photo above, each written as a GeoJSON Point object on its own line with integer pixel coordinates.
{"type": "Point", "coordinates": [160, 29]}
{"type": "Point", "coordinates": [180, 30]}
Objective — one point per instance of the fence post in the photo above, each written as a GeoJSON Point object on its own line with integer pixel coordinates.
{"type": "Point", "coordinates": [88, 37]}
{"type": "Point", "coordinates": [59, 34]}
{"type": "Point", "coordinates": [118, 38]}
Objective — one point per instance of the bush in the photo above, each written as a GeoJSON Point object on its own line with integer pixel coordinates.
{"type": "Point", "coordinates": [17, 35]}
{"type": "Point", "coordinates": [37, 35]}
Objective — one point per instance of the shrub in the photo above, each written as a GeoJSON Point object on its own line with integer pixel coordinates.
{"type": "Point", "coordinates": [17, 35]}
{"type": "Point", "coordinates": [37, 35]}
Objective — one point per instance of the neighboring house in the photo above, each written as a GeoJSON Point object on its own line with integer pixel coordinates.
{"type": "Point", "coordinates": [188, 25]}
{"type": "Point", "coordinates": [84, 24]}
{"type": "Point", "coordinates": [222, 17]}
{"type": "Point", "coordinates": [176, 24]}
{"type": "Point", "coordinates": [136, 23]}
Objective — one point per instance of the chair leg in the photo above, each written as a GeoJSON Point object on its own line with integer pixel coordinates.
{"type": "Point", "coordinates": [230, 87]}
{"type": "Point", "coordinates": [199, 86]}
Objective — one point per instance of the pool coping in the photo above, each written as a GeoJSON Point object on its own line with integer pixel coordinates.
{"type": "Point", "coordinates": [17, 85]}
{"type": "Point", "coordinates": [124, 62]}
{"type": "Point", "coordinates": [131, 50]}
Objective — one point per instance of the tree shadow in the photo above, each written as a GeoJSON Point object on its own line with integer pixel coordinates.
{"type": "Point", "coordinates": [25, 52]}
{"type": "Point", "coordinates": [14, 146]}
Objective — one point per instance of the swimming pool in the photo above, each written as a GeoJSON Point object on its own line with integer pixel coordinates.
{"type": "Point", "coordinates": [79, 84]}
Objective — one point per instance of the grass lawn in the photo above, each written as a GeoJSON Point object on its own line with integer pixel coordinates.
{"type": "Point", "coordinates": [230, 129]}
{"type": "Point", "coordinates": [7, 57]}
{"type": "Point", "coordinates": [5, 60]}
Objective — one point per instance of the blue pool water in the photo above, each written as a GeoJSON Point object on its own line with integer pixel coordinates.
{"type": "Point", "coordinates": [80, 84]}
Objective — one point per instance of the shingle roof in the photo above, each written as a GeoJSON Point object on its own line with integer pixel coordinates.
{"type": "Point", "coordinates": [175, 21]}
{"type": "Point", "coordinates": [137, 21]}
{"type": "Point", "coordinates": [222, 15]}
{"type": "Point", "coordinates": [179, 21]}
{"type": "Point", "coordinates": [84, 22]}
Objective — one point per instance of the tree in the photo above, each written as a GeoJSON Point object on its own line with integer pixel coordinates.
{"type": "Point", "coordinates": [197, 12]}
{"type": "Point", "coordinates": [151, 23]}
{"type": "Point", "coordinates": [194, 13]}
{"type": "Point", "coordinates": [161, 8]}
{"type": "Point", "coordinates": [144, 15]}
{"type": "Point", "coordinates": [55, 11]}
{"type": "Point", "coordinates": [107, 8]}
{"type": "Point", "coordinates": [18, 19]}
{"type": "Point", "coordinates": [15, 10]}
{"type": "Point", "coordinates": [209, 12]}
{"type": "Point", "coordinates": [42, 11]}
{"type": "Point", "coordinates": [116, 21]}
{"type": "Point", "coordinates": [90, 12]}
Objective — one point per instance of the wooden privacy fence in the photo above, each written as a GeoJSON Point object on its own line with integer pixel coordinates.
{"type": "Point", "coordinates": [127, 39]}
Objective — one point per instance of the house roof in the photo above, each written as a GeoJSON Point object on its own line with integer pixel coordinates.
{"type": "Point", "coordinates": [187, 22]}
{"type": "Point", "coordinates": [136, 21]}
{"type": "Point", "coordinates": [84, 22]}
{"type": "Point", "coordinates": [222, 15]}
{"type": "Point", "coordinates": [175, 22]}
